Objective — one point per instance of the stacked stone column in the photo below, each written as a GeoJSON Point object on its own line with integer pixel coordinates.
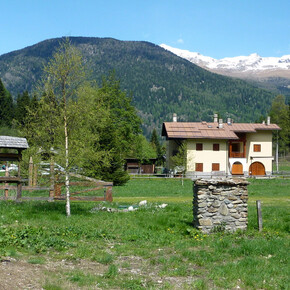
{"type": "Point", "coordinates": [220, 204]}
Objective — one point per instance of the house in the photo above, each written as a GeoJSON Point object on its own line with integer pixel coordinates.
{"type": "Point", "coordinates": [218, 148]}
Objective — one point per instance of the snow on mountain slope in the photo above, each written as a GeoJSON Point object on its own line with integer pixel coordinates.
{"type": "Point", "coordinates": [251, 63]}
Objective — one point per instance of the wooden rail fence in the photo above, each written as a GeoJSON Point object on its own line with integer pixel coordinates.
{"type": "Point", "coordinates": [54, 187]}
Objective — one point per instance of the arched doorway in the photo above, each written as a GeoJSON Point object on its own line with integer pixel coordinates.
{"type": "Point", "coordinates": [237, 168]}
{"type": "Point", "coordinates": [257, 168]}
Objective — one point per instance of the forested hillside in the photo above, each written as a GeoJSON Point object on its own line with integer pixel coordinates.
{"type": "Point", "coordinates": [160, 82]}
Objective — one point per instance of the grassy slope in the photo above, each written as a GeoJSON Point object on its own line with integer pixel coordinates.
{"type": "Point", "coordinates": [162, 240]}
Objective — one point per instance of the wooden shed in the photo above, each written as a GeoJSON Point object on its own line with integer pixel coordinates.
{"type": "Point", "coordinates": [11, 150]}
{"type": "Point", "coordinates": [135, 166]}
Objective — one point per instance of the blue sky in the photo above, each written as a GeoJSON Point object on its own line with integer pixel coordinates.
{"type": "Point", "coordinates": [216, 28]}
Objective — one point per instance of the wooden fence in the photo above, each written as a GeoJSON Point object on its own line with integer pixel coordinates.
{"type": "Point", "coordinates": [54, 186]}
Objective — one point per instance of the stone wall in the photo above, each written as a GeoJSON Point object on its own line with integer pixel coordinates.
{"type": "Point", "coordinates": [220, 204]}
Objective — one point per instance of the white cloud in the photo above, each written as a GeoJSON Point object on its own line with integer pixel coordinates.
{"type": "Point", "coordinates": [180, 40]}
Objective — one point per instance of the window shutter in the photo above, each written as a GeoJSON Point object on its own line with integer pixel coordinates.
{"type": "Point", "coordinates": [216, 147]}
{"type": "Point", "coordinates": [199, 147]}
{"type": "Point", "coordinates": [199, 167]}
{"type": "Point", "coordinates": [257, 147]}
{"type": "Point", "coordinates": [215, 167]}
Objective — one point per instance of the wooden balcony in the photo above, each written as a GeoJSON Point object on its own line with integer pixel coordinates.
{"type": "Point", "coordinates": [237, 155]}
{"type": "Point", "coordinates": [237, 149]}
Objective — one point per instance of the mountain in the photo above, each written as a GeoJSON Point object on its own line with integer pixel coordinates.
{"type": "Point", "coordinates": [267, 72]}
{"type": "Point", "coordinates": [160, 82]}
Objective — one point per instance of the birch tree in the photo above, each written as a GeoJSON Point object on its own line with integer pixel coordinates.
{"type": "Point", "coordinates": [62, 77]}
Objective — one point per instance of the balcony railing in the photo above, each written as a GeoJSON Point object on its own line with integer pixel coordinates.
{"type": "Point", "coordinates": [237, 155]}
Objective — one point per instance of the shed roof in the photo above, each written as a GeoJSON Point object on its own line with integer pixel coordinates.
{"type": "Point", "coordinates": [13, 142]}
{"type": "Point", "coordinates": [204, 130]}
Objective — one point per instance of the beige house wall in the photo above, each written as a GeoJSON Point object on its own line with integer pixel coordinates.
{"type": "Point", "coordinates": [207, 156]}
{"type": "Point", "coordinates": [264, 138]}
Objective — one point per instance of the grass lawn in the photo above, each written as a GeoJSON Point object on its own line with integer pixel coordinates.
{"type": "Point", "coordinates": [148, 248]}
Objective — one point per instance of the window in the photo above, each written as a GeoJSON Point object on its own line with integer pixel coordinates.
{"type": "Point", "coordinates": [215, 167]}
{"type": "Point", "coordinates": [216, 147]}
{"type": "Point", "coordinates": [199, 167]}
{"type": "Point", "coordinates": [199, 147]}
{"type": "Point", "coordinates": [257, 147]}
{"type": "Point", "coordinates": [236, 147]}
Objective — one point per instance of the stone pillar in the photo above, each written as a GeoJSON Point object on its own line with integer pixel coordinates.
{"type": "Point", "coordinates": [220, 204]}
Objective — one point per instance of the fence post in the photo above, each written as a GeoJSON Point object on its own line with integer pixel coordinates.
{"type": "Point", "coordinates": [19, 190]}
{"type": "Point", "coordinates": [6, 184]}
{"type": "Point", "coordinates": [51, 190]}
{"type": "Point", "coordinates": [259, 215]}
{"type": "Point", "coordinates": [30, 172]}
{"type": "Point", "coordinates": [109, 194]}
{"type": "Point", "coordinates": [34, 182]}
{"type": "Point", "coordinates": [19, 184]}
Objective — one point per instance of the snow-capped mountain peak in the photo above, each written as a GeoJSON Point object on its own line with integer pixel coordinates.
{"type": "Point", "coordinates": [239, 64]}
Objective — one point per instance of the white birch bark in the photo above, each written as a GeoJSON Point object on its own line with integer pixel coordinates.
{"type": "Point", "coordinates": [66, 168]}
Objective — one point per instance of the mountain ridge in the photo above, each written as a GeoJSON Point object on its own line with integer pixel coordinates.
{"type": "Point", "coordinates": [243, 63]}
{"type": "Point", "coordinates": [160, 82]}
{"type": "Point", "coordinates": [271, 73]}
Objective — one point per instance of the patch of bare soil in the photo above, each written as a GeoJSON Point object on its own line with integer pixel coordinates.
{"type": "Point", "coordinates": [19, 274]}
{"type": "Point", "coordinates": [138, 267]}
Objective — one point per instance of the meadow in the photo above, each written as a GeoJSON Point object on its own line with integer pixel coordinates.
{"type": "Point", "coordinates": [150, 248]}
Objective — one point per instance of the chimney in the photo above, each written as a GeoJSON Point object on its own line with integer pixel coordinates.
{"type": "Point", "coordinates": [215, 118]}
{"type": "Point", "coordinates": [268, 120]}
{"type": "Point", "coordinates": [229, 121]}
{"type": "Point", "coordinates": [174, 117]}
{"type": "Point", "coordinates": [221, 125]}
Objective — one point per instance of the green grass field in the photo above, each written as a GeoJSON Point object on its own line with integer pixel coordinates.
{"type": "Point", "coordinates": [151, 247]}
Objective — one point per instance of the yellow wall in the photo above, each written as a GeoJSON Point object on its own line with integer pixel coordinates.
{"type": "Point", "coordinates": [265, 139]}
{"type": "Point", "coordinates": [207, 156]}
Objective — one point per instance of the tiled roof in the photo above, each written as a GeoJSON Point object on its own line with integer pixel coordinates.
{"type": "Point", "coordinates": [13, 142]}
{"type": "Point", "coordinates": [204, 130]}
{"type": "Point", "coordinates": [247, 128]}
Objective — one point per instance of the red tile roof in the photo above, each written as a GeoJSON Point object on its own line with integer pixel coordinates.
{"type": "Point", "coordinates": [204, 130]}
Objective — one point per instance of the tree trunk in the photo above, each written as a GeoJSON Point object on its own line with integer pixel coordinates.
{"type": "Point", "coordinates": [277, 155]}
{"type": "Point", "coordinates": [66, 168]}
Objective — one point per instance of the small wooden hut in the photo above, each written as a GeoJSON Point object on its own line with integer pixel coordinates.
{"type": "Point", "coordinates": [135, 166]}
{"type": "Point", "coordinates": [11, 150]}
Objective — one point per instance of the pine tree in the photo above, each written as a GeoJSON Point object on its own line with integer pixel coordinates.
{"type": "Point", "coordinates": [154, 140]}
{"type": "Point", "coordinates": [21, 107]}
{"type": "Point", "coordinates": [117, 133]}
{"type": "Point", "coordinates": [6, 106]}
{"type": "Point", "coordinates": [280, 115]}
